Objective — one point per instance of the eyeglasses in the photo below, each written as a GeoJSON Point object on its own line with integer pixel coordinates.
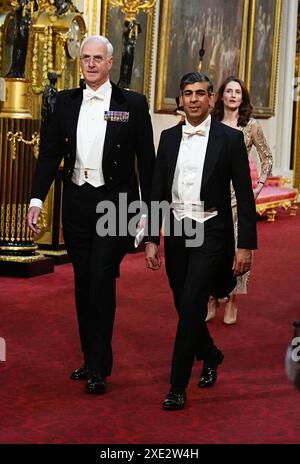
{"type": "Point", "coordinates": [198, 93]}
{"type": "Point", "coordinates": [97, 59]}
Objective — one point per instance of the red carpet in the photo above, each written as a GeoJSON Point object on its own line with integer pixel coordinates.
{"type": "Point", "coordinates": [252, 402]}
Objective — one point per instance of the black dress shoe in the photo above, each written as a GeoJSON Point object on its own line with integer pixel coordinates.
{"type": "Point", "coordinates": [208, 375]}
{"type": "Point", "coordinates": [80, 374]}
{"type": "Point", "coordinates": [174, 401]}
{"type": "Point", "coordinates": [96, 384]}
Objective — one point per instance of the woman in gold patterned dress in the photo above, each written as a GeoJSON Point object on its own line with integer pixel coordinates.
{"type": "Point", "coordinates": [233, 108]}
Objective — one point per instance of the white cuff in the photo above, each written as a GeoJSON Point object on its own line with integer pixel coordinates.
{"type": "Point", "coordinates": [36, 202]}
{"type": "Point", "coordinates": [140, 231]}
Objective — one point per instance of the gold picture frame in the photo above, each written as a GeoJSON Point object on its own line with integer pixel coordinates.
{"type": "Point", "coordinates": [112, 20]}
{"type": "Point", "coordinates": [183, 28]}
{"type": "Point", "coordinates": [262, 55]}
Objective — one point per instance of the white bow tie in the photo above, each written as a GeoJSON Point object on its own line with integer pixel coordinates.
{"type": "Point", "coordinates": [89, 94]}
{"type": "Point", "coordinates": [190, 130]}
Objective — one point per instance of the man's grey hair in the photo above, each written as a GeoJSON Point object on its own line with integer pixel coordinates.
{"type": "Point", "coordinates": [100, 39]}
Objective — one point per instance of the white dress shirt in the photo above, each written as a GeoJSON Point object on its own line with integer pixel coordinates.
{"type": "Point", "coordinates": [188, 173]}
{"type": "Point", "coordinates": [91, 129]}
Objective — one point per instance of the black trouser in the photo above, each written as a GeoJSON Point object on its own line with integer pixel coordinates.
{"type": "Point", "coordinates": [96, 263]}
{"type": "Point", "coordinates": [191, 272]}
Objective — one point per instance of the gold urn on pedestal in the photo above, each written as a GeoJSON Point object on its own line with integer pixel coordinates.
{"type": "Point", "coordinates": [17, 99]}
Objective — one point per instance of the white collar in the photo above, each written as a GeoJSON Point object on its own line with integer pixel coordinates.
{"type": "Point", "coordinates": [102, 89]}
{"type": "Point", "coordinates": [205, 125]}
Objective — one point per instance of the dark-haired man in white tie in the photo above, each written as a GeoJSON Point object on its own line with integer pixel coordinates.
{"type": "Point", "coordinates": [195, 163]}
{"type": "Point", "coordinates": [99, 132]}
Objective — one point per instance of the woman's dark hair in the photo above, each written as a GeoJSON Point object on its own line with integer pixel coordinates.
{"type": "Point", "coordinates": [245, 108]}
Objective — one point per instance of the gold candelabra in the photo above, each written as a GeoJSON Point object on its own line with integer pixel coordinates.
{"type": "Point", "coordinates": [131, 8]}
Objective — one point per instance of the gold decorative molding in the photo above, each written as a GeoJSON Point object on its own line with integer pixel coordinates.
{"type": "Point", "coordinates": [267, 110]}
{"type": "Point", "coordinates": [18, 136]}
{"type": "Point", "coordinates": [94, 16]}
{"type": "Point", "coordinates": [7, 222]}
{"type": "Point", "coordinates": [269, 208]}
{"type": "Point", "coordinates": [296, 122]}
{"type": "Point", "coordinates": [18, 248]}
{"type": "Point", "coordinates": [1, 52]}
{"type": "Point", "coordinates": [22, 259]}
{"type": "Point", "coordinates": [46, 61]}
{"type": "Point", "coordinates": [54, 253]}
{"type": "Point", "coordinates": [108, 29]}
{"type": "Point", "coordinates": [48, 51]}
{"type": "Point", "coordinates": [162, 62]}
{"type": "Point", "coordinates": [131, 8]}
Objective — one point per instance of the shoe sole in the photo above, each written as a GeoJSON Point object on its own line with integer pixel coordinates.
{"type": "Point", "coordinates": [79, 378]}
{"type": "Point", "coordinates": [167, 408]}
{"type": "Point", "coordinates": [206, 386]}
{"type": "Point", "coordinates": [96, 392]}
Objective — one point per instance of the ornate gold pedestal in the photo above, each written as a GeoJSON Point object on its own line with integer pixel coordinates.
{"type": "Point", "coordinates": [19, 139]}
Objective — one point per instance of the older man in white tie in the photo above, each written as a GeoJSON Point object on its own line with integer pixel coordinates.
{"type": "Point", "coordinates": [195, 163]}
{"type": "Point", "coordinates": [100, 132]}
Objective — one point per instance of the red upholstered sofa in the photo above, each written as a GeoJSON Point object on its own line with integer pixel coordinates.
{"type": "Point", "coordinates": [274, 194]}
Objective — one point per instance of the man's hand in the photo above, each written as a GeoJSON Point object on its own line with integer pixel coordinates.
{"type": "Point", "coordinates": [242, 261]}
{"type": "Point", "coordinates": [152, 256]}
{"type": "Point", "coordinates": [32, 219]}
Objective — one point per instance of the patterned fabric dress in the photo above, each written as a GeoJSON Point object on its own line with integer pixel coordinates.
{"type": "Point", "coordinates": [253, 135]}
